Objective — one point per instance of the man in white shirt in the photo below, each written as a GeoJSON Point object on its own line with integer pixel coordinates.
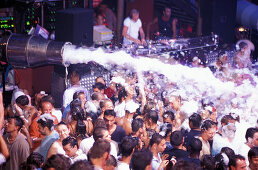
{"type": "Point", "coordinates": [71, 146]}
{"type": "Point", "coordinates": [131, 29]}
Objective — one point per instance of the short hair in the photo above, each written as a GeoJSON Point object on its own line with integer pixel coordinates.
{"type": "Point", "coordinates": [22, 100]}
{"type": "Point", "coordinates": [225, 119]}
{"type": "Point", "coordinates": [185, 165]}
{"type": "Point", "coordinates": [250, 133]}
{"type": "Point", "coordinates": [103, 102]}
{"type": "Point", "coordinates": [234, 161]}
{"type": "Point", "coordinates": [127, 145]}
{"type": "Point", "coordinates": [196, 120]}
{"type": "Point", "coordinates": [110, 113]}
{"type": "Point", "coordinates": [169, 114]}
{"type": "Point", "coordinates": [176, 138]}
{"type": "Point", "coordinates": [57, 161]}
{"type": "Point", "coordinates": [221, 162]}
{"type": "Point", "coordinates": [100, 123]}
{"type": "Point", "coordinates": [49, 123]}
{"type": "Point", "coordinates": [36, 159]}
{"type": "Point", "coordinates": [48, 99]}
{"type": "Point", "coordinates": [208, 162]}
{"type": "Point", "coordinates": [156, 138]}
{"type": "Point", "coordinates": [77, 94]}
{"type": "Point", "coordinates": [99, 86]}
{"type": "Point", "coordinates": [96, 96]}
{"type": "Point", "coordinates": [98, 149]}
{"type": "Point", "coordinates": [195, 146]}
{"type": "Point", "coordinates": [98, 133]}
{"type": "Point", "coordinates": [253, 152]}
{"type": "Point", "coordinates": [141, 159]}
{"type": "Point", "coordinates": [153, 115]}
{"type": "Point", "coordinates": [207, 124]}
{"type": "Point", "coordinates": [81, 165]}
{"type": "Point", "coordinates": [137, 124]}
{"type": "Point", "coordinates": [18, 121]}
{"type": "Point", "coordinates": [165, 129]}
{"type": "Point", "coordinates": [229, 152]}
{"type": "Point", "coordinates": [75, 72]}
{"type": "Point", "coordinates": [70, 140]}
{"type": "Point", "coordinates": [111, 161]}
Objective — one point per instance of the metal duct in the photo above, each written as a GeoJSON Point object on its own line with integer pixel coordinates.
{"type": "Point", "coordinates": [247, 14]}
{"type": "Point", "coordinates": [32, 51]}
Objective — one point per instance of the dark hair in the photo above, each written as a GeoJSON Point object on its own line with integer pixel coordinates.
{"type": "Point", "coordinates": [36, 159]}
{"type": "Point", "coordinates": [132, 12]}
{"type": "Point", "coordinates": [185, 165]}
{"type": "Point", "coordinates": [98, 133]}
{"type": "Point", "coordinates": [229, 152]}
{"type": "Point", "coordinates": [234, 161]}
{"type": "Point", "coordinates": [100, 123]}
{"type": "Point", "coordinates": [165, 129]}
{"type": "Point", "coordinates": [99, 86]}
{"type": "Point", "coordinates": [195, 146]}
{"type": "Point", "coordinates": [253, 152]}
{"type": "Point", "coordinates": [96, 96]}
{"type": "Point", "coordinates": [122, 94]}
{"type": "Point", "coordinates": [18, 121]}
{"type": "Point", "coordinates": [75, 103]}
{"type": "Point", "coordinates": [127, 145]}
{"type": "Point", "coordinates": [61, 123]}
{"type": "Point", "coordinates": [47, 123]}
{"type": "Point", "coordinates": [110, 113]}
{"type": "Point", "coordinates": [22, 100]}
{"type": "Point", "coordinates": [242, 45]}
{"type": "Point", "coordinates": [219, 162]}
{"type": "Point", "coordinates": [176, 138]}
{"type": "Point", "coordinates": [207, 124]}
{"type": "Point", "coordinates": [137, 124]}
{"type": "Point", "coordinates": [26, 166]}
{"type": "Point", "coordinates": [48, 99]}
{"type": "Point", "coordinates": [98, 149]}
{"type": "Point", "coordinates": [77, 94]}
{"type": "Point", "coordinates": [70, 140]}
{"type": "Point", "coordinates": [75, 72]}
{"type": "Point", "coordinates": [153, 115]}
{"type": "Point", "coordinates": [77, 113]}
{"type": "Point", "coordinates": [225, 119]}
{"type": "Point", "coordinates": [57, 161]}
{"type": "Point", "coordinates": [250, 133]}
{"type": "Point", "coordinates": [81, 165]}
{"type": "Point", "coordinates": [156, 138]}
{"type": "Point", "coordinates": [169, 114]}
{"type": "Point", "coordinates": [141, 159]}
{"type": "Point", "coordinates": [208, 162]}
{"type": "Point", "coordinates": [196, 120]}
{"type": "Point", "coordinates": [111, 161]}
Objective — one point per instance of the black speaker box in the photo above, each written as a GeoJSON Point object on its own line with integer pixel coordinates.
{"type": "Point", "coordinates": [219, 17]}
{"type": "Point", "coordinates": [75, 25]}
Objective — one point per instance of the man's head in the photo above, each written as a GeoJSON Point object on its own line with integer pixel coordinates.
{"type": "Point", "coordinates": [47, 104]}
{"type": "Point", "coordinates": [81, 165]}
{"type": "Point", "coordinates": [251, 137]}
{"type": "Point", "coordinates": [167, 12]}
{"type": "Point", "coordinates": [226, 120]}
{"type": "Point", "coordinates": [208, 162]}
{"type": "Point", "coordinates": [14, 124]}
{"type": "Point", "coordinates": [101, 133]}
{"type": "Point", "coordinates": [100, 79]}
{"type": "Point", "coordinates": [70, 146]}
{"type": "Point", "coordinates": [195, 121]}
{"type": "Point", "coordinates": [208, 129]}
{"type": "Point", "coordinates": [57, 162]}
{"type": "Point", "coordinates": [80, 95]}
{"type": "Point", "coordinates": [177, 139]}
{"type": "Point", "coordinates": [74, 77]}
{"type": "Point", "coordinates": [152, 117]}
{"type": "Point", "coordinates": [45, 124]}
{"type": "Point", "coordinates": [175, 102]}
{"type": "Point", "coordinates": [157, 143]}
{"type": "Point", "coordinates": [169, 117]}
{"type": "Point", "coordinates": [98, 87]}
{"type": "Point", "coordinates": [141, 160]}
{"type": "Point", "coordinates": [62, 130]}
{"type": "Point", "coordinates": [111, 163]}
{"type": "Point", "coordinates": [134, 14]}
{"type": "Point", "coordinates": [106, 104]}
{"type": "Point", "coordinates": [238, 163]}
{"type": "Point", "coordinates": [97, 96]}
{"type": "Point", "coordinates": [195, 146]}
{"type": "Point", "coordinates": [22, 101]}
{"type": "Point", "coordinates": [100, 150]}
{"type": "Point", "coordinates": [128, 145]}
{"type": "Point", "coordinates": [137, 126]}
{"type": "Point", "coordinates": [253, 158]}
{"type": "Point", "coordinates": [35, 159]}
{"type": "Point", "coordinates": [109, 117]}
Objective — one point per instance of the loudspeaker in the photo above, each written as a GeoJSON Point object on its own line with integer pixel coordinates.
{"type": "Point", "coordinates": [75, 25]}
{"type": "Point", "coordinates": [219, 17]}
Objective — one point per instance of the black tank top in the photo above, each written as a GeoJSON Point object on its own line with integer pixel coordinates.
{"type": "Point", "coordinates": [165, 27]}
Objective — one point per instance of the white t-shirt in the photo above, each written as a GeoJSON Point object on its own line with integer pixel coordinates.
{"type": "Point", "coordinates": [122, 166]}
{"type": "Point", "coordinates": [133, 29]}
{"type": "Point", "coordinates": [68, 94]}
{"type": "Point", "coordinates": [81, 156]}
